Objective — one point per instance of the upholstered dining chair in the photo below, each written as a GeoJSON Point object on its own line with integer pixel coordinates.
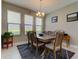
{"type": "Point", "coordinates": [35, 42]}
{"type": "Point", "coordinates": [56, 44]}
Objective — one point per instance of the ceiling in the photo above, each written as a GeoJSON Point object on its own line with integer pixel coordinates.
{"type": "Point", "coordinates": [47, 5]}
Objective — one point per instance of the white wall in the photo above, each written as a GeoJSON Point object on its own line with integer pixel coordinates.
{"type": "Point", "coordinates": [69, 27]}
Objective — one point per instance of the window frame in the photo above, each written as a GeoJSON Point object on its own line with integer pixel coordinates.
{"type": "Point", "coordinates": [28, 24]}
{"type": "Point", "coordinates": [39, 25]}
{"type": "Point", "coordinates": [14, 23]}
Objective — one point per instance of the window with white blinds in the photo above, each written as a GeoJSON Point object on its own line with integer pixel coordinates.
{"type": "Point", "coordinates": [28, 23]}
{"type": "Point", "coordinates": [39, 24]}
{"type": "Point", "coordinates": [14, 21]}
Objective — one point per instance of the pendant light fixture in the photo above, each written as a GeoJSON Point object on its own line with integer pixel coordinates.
{"type": "Point", "coordinates": [40, 13]}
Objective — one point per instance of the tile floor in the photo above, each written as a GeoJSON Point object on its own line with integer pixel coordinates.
{"type": "Point", "coordinates": [13, 53]}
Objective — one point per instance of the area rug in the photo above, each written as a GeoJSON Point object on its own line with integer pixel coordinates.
{"type": "Point", "coordinates": [29, 53]}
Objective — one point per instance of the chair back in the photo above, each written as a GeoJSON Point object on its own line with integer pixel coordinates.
{"type": "Point", "coordinates": [33, 37]}
{"type": "Point", "coordinates": [28, 35]}
{"type": "Point", "coordinates": [59, 38]}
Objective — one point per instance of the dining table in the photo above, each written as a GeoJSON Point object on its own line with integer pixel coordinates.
{"type": "Point", "coordinates": [45, 38]}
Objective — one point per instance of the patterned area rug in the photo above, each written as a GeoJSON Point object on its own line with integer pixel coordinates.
{"type": "Point", "coordinates": [29, 53]}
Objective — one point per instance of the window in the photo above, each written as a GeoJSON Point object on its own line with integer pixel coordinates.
{"type": "Point", "coordinates": [14, 22]}
{"type": "Point", "coordinates": [38, 24]}
{"type": "Point", "coordinates": [28, 23]}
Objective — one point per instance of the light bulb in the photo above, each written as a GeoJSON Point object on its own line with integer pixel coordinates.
{"type": "Point", "coordinates": [43, 13]}
{"type": "Point", "coordinates": [38, 12]}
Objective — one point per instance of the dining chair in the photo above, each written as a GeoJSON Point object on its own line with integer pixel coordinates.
{"type": "Point", "coordinates": [55, 45]}
{"type": "Point", "coordinates": [35, 42]}
{"type": "Point", "coordinates": [29, 38]}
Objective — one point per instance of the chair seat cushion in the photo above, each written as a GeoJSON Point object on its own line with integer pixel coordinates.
{"type": "Point", "coordinates": [51, 46]}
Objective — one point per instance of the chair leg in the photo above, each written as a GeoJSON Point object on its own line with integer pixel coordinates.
{"type": "Point", "coordinates": [36, 51]}
{"type": "Point", "coordinates": [60, 53]}
{"type": "Point", "coordinates": [44, 53]}
{"type": "Point", "coordinates": [28, 42]}
{"type": "Point", "coordinates": [31, 44]}
{"type": "Point", "coordinates": [48, 51]}
{"type": "Point", "coordinates": [54, 52]}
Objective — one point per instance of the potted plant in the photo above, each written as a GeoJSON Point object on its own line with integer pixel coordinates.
{"type": "Point", "coordinates": [5, 38]}
{"type": "Point", "coordinates": [7, 34]}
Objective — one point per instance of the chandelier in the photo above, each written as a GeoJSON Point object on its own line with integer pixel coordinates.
{"type": "Point", "coordinates": [40, 13]}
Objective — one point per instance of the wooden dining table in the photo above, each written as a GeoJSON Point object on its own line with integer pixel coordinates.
{"type": "Point", "coordinates": [45, 38]}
